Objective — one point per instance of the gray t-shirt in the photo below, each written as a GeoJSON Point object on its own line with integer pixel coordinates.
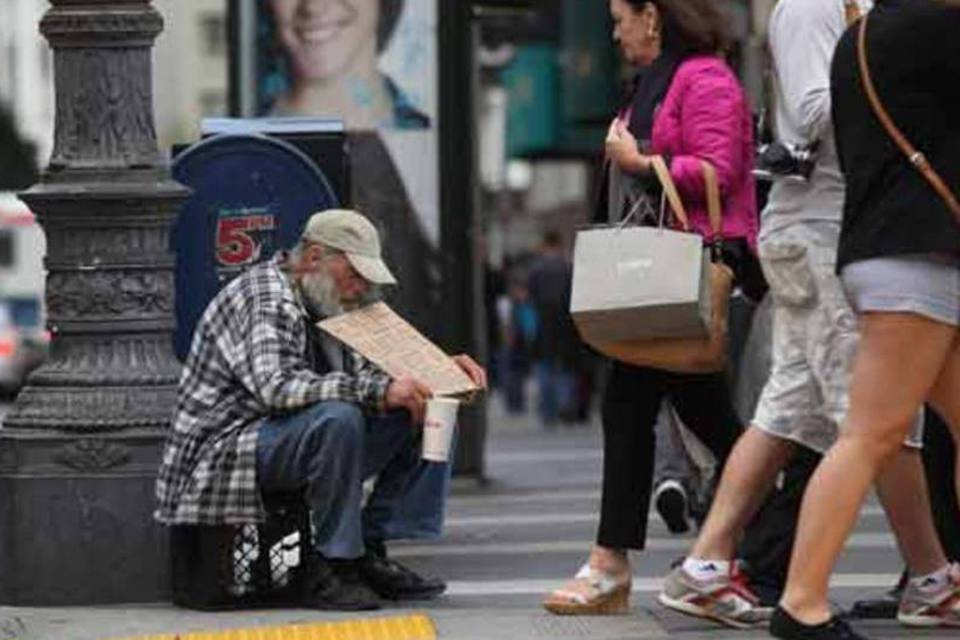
{"type": "Point", "coordinates": [803, 35]}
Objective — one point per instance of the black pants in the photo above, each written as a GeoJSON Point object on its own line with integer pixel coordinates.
{"type": "Point", "coordinates": [938, 460]}
{"type": "Point", "coordinates": [631, 401]}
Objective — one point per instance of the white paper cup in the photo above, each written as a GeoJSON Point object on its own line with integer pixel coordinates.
{"type": "Point", "coordinates": [438, 426]}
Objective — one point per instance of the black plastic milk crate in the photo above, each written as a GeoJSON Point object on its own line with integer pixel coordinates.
{"type": "Point", "coordinates": [244, 566]}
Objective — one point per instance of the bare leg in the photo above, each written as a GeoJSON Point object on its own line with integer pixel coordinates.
{"type": "Point", "coordinates": [899, 359]}
{"type": "Point", "coordinates": [747, 478]}
{"type": "Point", "coordinates": [902, 488]}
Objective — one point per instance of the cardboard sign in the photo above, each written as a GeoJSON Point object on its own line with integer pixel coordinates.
{"type": "Point", "coordinates": [384, 338]}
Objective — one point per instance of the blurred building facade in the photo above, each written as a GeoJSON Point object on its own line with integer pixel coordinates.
{"type": "Point", "coordinates": [190, 68]}
{"type": "Point", "coordinates": [549, 78]}
{"type": "Point", "coordinates": [559, 56]}
{"type": "Point", "coordinates": [26, 73]}
{"type": "Point", "coordinates": [190, 73]}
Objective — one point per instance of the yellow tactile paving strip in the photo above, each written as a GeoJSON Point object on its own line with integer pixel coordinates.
{"type": "Point", "coordinates": [413, 627]}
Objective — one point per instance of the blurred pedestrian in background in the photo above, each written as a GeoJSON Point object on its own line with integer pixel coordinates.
{"type": "Point", "coordinates": [557, 342]}
{"type": "Point", "coordinates": [682, 474]}
{"type": "Point", "coordinates": [494, 288]}
{"type": "Point", "coordinates": [518, 322]}
{"type": "Point", "coordinates": [689, 105]}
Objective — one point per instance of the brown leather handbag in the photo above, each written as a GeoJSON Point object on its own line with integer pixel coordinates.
{"type": "Point", "coordinates": [686, 355]}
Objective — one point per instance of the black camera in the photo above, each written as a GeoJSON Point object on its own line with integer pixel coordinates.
{"type": "Point", "coordinates": [779, 161]}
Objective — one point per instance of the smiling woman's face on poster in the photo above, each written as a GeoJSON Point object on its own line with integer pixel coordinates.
{"type": "Point", "coordinates": [324, 38]}
{"type": "Point", "coordinates": [324, 58]}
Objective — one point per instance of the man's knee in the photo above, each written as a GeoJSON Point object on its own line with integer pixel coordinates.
{"type": "Point", "coordinates": [338, 423]}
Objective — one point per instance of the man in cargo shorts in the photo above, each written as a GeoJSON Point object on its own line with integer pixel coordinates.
{"type": "Point", "coordinates": [814, 341]}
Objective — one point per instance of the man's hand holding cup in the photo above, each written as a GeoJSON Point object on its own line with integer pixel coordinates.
{"type": "Point", "coordinates": [438, 415]}
{"type": "Point", "coordinates": [410, 394]}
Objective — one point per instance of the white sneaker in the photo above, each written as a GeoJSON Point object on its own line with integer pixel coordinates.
{"type": "Point", "coordinates": [941, 609]}
{"type": "Point", "coordinates": [725, 599]}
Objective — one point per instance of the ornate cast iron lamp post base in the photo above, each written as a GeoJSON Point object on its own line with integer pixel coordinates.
{"type": "Point", "coordinates": [80, 448]}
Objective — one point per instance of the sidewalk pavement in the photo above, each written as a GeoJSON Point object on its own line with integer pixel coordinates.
{"type": "Point", "coordinates": [508, 540]}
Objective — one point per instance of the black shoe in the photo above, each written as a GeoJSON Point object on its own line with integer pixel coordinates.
{"type": "Point", "coordinates": [885, 607]}
{"type": "Point", "coordinates": [783, 625]}
{"type": "Point", "coordinates": [896, 592]}
{"type": "Point", "coordinates": [670, 500]}
{"type": "Point", "coordinates": [767, 587]}
{"type": "Point", "coordinates": [393, 581]}
{"type": "Point", "coordinates": [336, 586]}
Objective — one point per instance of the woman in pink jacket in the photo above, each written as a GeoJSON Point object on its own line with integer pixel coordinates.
{"type": "Point", "coordinates": [687, 106]}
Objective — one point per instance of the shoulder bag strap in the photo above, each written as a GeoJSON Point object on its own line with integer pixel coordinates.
{"type": "Point", "coordinates": [670, 190]}
{"type": "Point", "coordinates": [851, 11]}
{"type": "Point", "coordinates": [916, 157]}
{"type": "Point", "coordinates": [712, 188]}
{"type": "Point", "coordinates": [714, 210]}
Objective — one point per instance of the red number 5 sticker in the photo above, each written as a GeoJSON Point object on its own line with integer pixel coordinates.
{"type": "Point", "coordinates": [235, 247]}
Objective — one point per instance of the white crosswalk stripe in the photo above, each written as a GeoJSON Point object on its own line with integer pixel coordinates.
{"type": "Point", "coordinates": [640, 584]}
{"type": "Point", "coordinates": [534, 497]}
{"type": "Point", "coordinates": [558, 518]}
{"type": "Point", "coordinates": [399, 550]}
{"type": "Point", "coordinates": [539, 457]}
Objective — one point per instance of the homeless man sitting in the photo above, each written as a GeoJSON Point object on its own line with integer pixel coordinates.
{"type": "Point", "coordinates": [267, 403]}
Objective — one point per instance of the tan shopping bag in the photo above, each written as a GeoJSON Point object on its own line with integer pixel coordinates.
{"type": "Point", "coordinates": [702, 289]}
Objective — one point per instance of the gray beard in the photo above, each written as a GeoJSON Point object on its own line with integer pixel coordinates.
{"type": "Point", "coordinates": [320, 295]}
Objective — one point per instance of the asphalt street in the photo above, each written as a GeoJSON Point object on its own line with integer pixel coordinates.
{"type": "Point", "coordinates": [507, 542]}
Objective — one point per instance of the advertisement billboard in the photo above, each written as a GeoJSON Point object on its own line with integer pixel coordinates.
{"type": "Point", "coordinates": [373, 65]}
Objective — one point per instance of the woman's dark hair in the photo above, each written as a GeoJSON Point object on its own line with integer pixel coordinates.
{"type": "Point", "coordinates": [690, 26]}
{"type": "Point", "coordinates": [390, 11]}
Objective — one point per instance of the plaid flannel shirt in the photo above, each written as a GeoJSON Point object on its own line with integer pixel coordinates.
{"type": "Point", "coordinates": [248, 361]}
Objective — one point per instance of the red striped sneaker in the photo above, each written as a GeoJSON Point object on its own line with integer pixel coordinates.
{"type": "Point", "coordinates": [725, 599]}
{"type": "Point", "coordinates": [940, 609]}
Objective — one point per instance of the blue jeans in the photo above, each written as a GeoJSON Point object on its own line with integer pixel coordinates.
{"type": "Point", "coordinates": [513, 379]}
{"type": "Point", "coordinates": [558, 388]}
{"type": "Point", "coordinates": [328, 449]}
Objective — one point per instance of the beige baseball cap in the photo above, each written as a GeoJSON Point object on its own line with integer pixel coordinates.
{"type": "Point", "coordinates": [350, 232]}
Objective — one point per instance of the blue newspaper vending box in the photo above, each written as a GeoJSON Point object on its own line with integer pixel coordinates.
{"type": "Point", "coordinates": [252, 195]}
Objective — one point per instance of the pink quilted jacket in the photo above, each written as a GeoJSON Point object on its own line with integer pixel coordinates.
{"type": "Point", "coordinates": [705, 116]}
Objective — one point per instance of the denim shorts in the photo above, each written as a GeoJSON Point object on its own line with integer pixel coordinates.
{"type": "Point", "coordinates": [925, 284]}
